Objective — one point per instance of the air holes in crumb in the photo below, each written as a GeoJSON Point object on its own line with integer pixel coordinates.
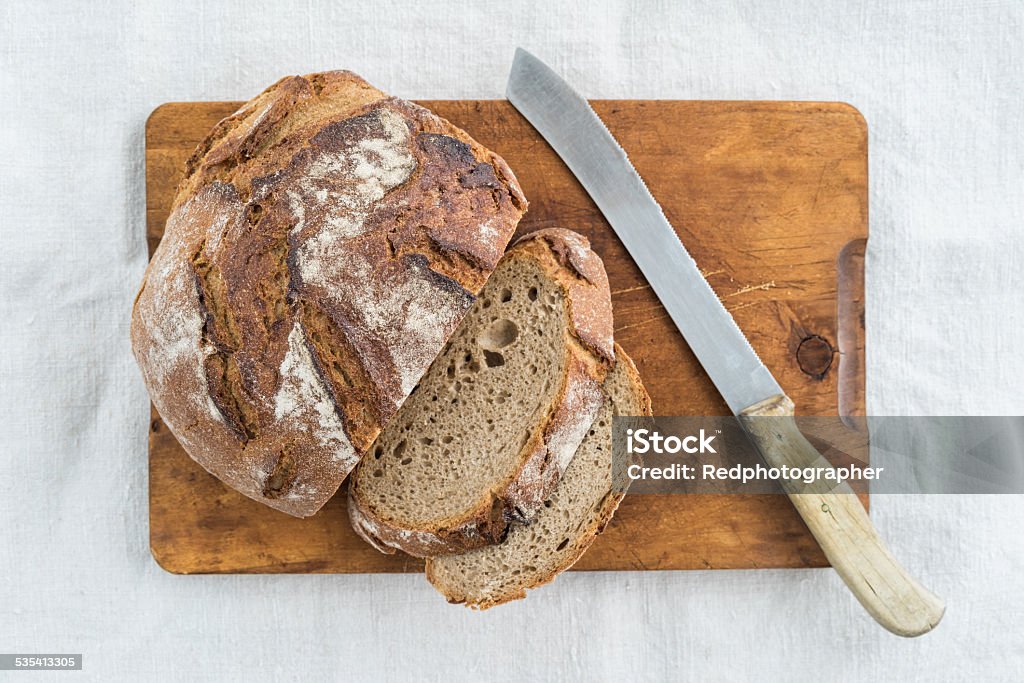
{"type": "Point", "coordinates": [506, 295]}
{"type": "Point", "coordinates": [399, 448]}
{"type": "Point", "coordinates": [406, 461]}
{"type": "Point", "coordinates": [561, 546]}
{"type": "Point", "coordinates": [493, 359]}
{"type": "Point", "coordinates": [377, 452]}
{"type": "Point", "coordinates": [498, 335]}
{"type": "Point", "coordinates": [532, 293]}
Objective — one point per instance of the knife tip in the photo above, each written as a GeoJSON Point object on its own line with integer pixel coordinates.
{"type": "Point", "coordinates": [520, 56]}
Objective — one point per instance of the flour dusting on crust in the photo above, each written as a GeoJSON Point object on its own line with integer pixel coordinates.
{"type": "Point", "coordinates": [583, 400]}
{"type": "Point", "coordinates": [404, 310]}
{"type": "Point", "coordinates": [171, 316]}
{"type": "Point", "coordinates": [487, 232]}
{"type": "Point", "coordinates": [341, 187]}
{"type": "Point", "coordinates": [303, 394]}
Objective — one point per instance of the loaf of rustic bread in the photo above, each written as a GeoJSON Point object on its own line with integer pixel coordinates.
{"type": "Point", "coordinates": [325, 242]}
{"type": "Point", "coordinates": [502, 410]}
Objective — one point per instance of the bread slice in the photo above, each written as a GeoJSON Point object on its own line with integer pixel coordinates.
{"type": "Point", "coordinates": [567, 524]}
{"type": "Point", "coordinates": [484, 437]}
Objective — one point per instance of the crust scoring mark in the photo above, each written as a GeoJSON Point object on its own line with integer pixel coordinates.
{"type": "Point", "coordinates": [304, 394]}
{"type": "Point", "coordinates": [173, 316]}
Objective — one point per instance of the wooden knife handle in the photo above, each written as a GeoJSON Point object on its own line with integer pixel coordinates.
{"type": "Point", "coordinates": [842, 527]}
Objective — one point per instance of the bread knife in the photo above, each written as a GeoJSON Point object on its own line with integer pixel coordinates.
{"type": "Point", "coordinates": [834, 514]}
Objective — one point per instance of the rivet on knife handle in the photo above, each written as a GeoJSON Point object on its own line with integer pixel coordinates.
{"type": "Point", "coordinates": [836, 519]}
{"type": "Point", "coordinates": [841, 526]}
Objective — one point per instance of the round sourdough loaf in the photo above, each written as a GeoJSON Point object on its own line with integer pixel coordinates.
{"type": "Point", "coordinates": [324, 243]}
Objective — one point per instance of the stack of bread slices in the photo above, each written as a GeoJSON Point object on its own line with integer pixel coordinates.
{"type": "Point", "coordinates": [335, 298]}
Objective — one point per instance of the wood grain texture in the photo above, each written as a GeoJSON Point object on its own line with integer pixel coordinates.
{"type": "Point", "coordinates": [771, 200]}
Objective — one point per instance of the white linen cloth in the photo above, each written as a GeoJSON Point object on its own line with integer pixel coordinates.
{"type": "Point", "coordinates": [939, 84]}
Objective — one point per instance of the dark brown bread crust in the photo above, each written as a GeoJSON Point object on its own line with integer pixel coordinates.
{"type": "Point", "coordinates": [324, 243]}
{"type": "Point", "coordinates": [567, 258]}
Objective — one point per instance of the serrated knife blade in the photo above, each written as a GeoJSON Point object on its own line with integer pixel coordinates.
{"type": "Point", "coordinates": [568, 123]}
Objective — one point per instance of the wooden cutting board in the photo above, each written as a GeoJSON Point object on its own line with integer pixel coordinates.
{"type": "Point", "coordinates": [771, 200]}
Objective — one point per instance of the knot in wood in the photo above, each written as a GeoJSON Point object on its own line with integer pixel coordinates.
{"type": "Point", "coordinates": [814, 355]}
